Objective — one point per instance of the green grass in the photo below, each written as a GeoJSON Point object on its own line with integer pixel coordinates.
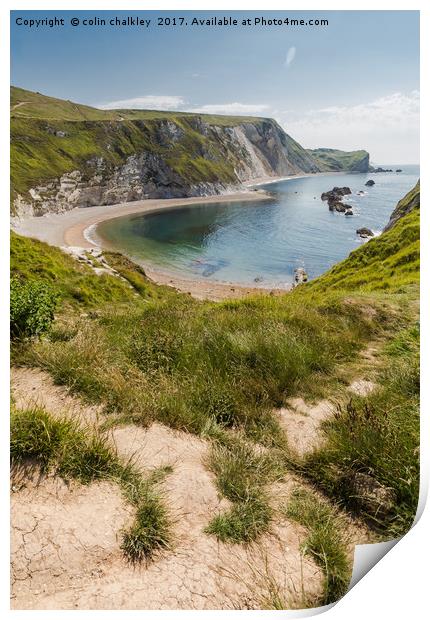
{"type": "Point", "coordinates": [324, 543]}
{"type": "Point", "coordinates": [61, 445]}
{"type": "Point", "coordinates": [151, 530]}
{"type": "Point", "coordinates": [218, 370]}
{"type": "Point", "coordinates": [388, 262]}
{"type": "Point", "coordinates": [335, 160]}
{"type": "Point", "coordinates": [38, 154]}
{"type": "Point", "coordinates": [36, 105]}
{"type": "Point", "coordinates": [74, 282]}
{"type": "Point", "coordinates": [74, 452]}
{"type": "Point", "coordinates": [242, 477]}
{"type": "Point", "coordinates": [243, 523]}
{"type": "Point", "coordinates": [194, 365]}
{"type": "Point", "coordinates": [377, 435]}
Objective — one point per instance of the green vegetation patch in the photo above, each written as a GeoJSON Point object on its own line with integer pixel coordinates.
{"type": "Point", "coordinates": [32, 307]}
{"type": "Point", "coordinates": [75, 283]}
{"type": "Point", "coordinates": [370, 460]}
{"type": "Point", "coordinates": [388, 262]}
{"type": "Point", "coordinates": [242, 476]}
{"type": "Point", "coordinates": [195, 366]}
{"type": "Point", "coordinates": [324, 543]}
{"type": "Point", "coordinates": [75, 452]}
{"type": "Point", "coordinates": [335, 160]}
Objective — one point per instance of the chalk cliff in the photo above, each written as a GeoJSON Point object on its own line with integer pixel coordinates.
{"type": "Point", "coordinates": [65, 155]}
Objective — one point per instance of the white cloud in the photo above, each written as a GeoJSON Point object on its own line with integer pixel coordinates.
{"type": "Point", "coordinates": [387, 127]}
{"type": "Point", "coordinates": [148, 102]}
{"type": "Point", "coordinates": [291, 54]}
{"type": "Point", "coordinates": [231, 108]}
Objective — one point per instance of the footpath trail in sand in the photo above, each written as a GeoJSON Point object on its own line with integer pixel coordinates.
{"type": "Point", "coordinates": [66, 537]}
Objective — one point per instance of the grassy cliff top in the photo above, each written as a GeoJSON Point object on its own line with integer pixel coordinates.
{"type": "Point", "coordinates": [390, 261]}
{"type": "Point", "coordinates": [28, 104]}
{"type": "Point", "coordinates": [333, 159]}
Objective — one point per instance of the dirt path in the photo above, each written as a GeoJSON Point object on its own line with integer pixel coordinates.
{"type": "Point", "coordinates": [65, 545]}
{"type": "Point", "coordinates": [302, 421]}
{"type": "Point", "coordinates": [18, 105]}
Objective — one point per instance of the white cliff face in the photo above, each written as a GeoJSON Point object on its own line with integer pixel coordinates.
{"type": "Point", "coordinates": [251, 149]}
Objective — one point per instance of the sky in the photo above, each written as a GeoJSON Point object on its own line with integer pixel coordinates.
{"type": "Point", "coordinates": [352, 84]}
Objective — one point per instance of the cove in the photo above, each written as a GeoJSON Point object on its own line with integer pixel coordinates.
{"type": "Point", "coordinates": [260, 242]}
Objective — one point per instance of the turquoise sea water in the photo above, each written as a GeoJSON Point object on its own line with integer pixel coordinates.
{"type": "Point", "coordinates": [261, 241]}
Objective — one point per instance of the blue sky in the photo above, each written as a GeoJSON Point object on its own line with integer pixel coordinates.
{"type": "Point", "coordinates": [351, 84]}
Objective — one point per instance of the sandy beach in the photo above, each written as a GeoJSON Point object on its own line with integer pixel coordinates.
{"type": "Point", "coordinates": [75, 229]}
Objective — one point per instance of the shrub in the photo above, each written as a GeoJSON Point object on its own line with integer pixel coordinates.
{"type": "Point", "coordinates": [32, 307]}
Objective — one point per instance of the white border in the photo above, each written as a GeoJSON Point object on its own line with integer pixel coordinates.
{"type": "Point", "coordinates": [397, 586]}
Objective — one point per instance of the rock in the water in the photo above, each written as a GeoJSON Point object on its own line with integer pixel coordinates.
{"type": "Point", "coordinates": [343, 190]}
{"type": "Point", "coordinates": [349, 212]}
{"type": "Point", "coordinates": [364, 232]}
{"type": "Point", "coordinates": [300, 275]}
{"type": "Point", "coordinates": [335, 193]}
{"type": "Point", "coordinates": [399, 170]}
{"type": "Point", "coordinates": [371, 496]}
{"type": "Point", "coordinates": [370, 182]}
{"type": "Point", "coordinates": [333, 198]}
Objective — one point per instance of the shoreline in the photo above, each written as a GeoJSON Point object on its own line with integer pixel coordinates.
{"type": "Point", "coordinates": [74, 230]}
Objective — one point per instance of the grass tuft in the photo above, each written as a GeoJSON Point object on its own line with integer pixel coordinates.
{"type": "Point", "coordinates": [150, 531]}
{"type": "Point", "coordinates": [324, 542]}
{"type": "Point", "coordinates": [241, 477]}
{"type": "Point", "coordinates": [76, 453]}
{"type": "Point", "coordinates": [244, 523]}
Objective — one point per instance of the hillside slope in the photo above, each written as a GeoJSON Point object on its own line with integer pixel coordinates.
{"type": "Point", "coordinates": [65, 154]}
{"type": "Point", "coordinates": [390, 261]}
{"type": "Point", "coordinates": [334, 160]}
{"type": "Point", "coordinates": [207, 407]}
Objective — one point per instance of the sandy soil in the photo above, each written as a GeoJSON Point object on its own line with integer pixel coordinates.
{"type": "Point", "coordinates": [75, 229]}
{"type": "Point", "coordinates": [65, 538]}
{"type": "Point", "coordinates": [302, 422]}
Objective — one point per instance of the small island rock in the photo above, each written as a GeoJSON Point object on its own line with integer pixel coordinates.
{"type": "Point", "coordinates": [370, 182]}
{"type": "Point", "coordinates": [364, 232]}
{"type": "Point", "coordinates": [300, 275]}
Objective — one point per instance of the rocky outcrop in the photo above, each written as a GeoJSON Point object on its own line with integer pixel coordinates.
{"type": "Point", "coordinates": [141, 177]}
{"type": "Point", "coordinates": [335, 193]}
{"type": "Point", "coordinates": [333, 197]}
{"type": "Point", "coordinates": [66, 155]}
{"type": "Point", "coordinates": [370, 183]}
{"type": "Point", "coordinates": [198, 158]}
{"type": "Point", "coordinates": [300, 276]}
{"type": "Point", "coordinates": [364, 232]}
{"type": "Point", "coordinates": [379, 169]}
{"type": "Point", "coordinates": [405, 205]}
